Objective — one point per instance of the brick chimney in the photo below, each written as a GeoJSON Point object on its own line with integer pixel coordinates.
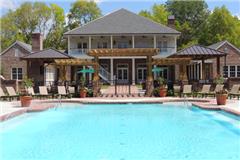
{"type": "Point", "coordinates": [171, 21]}
{"type": "Point", "coordinates": [37, 42]}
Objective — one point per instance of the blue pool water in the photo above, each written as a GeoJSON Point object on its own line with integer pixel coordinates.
{"type": "Point", "coordinates": [121, 132]}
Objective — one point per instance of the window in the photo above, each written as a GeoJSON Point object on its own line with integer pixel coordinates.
{"type": "Point", "coordinates": [225, 71]}
{"type": "Point", "coordinates": [16, 52]}
{"type": "Point", "coordinates": [238, 71]}
{"type": "Point", "coordinates": [232, 71]}
{"type": "Point", "coordinates": [17, 73]}
{"type": "Point", "coordinates": [82, 45]}
{"type": "Point", "coordinates": [102, 45]}
{"type": "Point", "coordinates": [122, 45]}
{"type": "Point", "coordinates": [162, 45]}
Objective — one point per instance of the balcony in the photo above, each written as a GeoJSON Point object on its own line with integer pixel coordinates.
{"type": "Point", "coordinates": [79, 53]}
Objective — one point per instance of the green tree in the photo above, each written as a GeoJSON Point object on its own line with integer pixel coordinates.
{"type": "Point", "coordinates": [55, 34]}
{"type": "Point", "coordinates": [81, 12]}
{"type": "Point", "coordinates": [221, 25]}
{"type": "Point", "coordinates": [158, 13]}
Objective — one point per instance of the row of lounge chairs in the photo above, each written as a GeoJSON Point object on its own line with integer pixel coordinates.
{"type": "Point", "coordinates": [187, 91]}
{"type": "Point", "coordinates": [43, 92]}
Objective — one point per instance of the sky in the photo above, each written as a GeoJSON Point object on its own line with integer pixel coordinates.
{"type": "Point", "coordinates": [108, 6]}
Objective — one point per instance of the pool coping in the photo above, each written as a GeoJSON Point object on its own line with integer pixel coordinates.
{"type": "Point", "coordinates": [42, 105]}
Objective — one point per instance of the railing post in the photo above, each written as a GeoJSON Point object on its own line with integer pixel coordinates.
{"type": "Point", "coordinates": [115, 86]}
{"type": "Point", "coordinates": [129, 88]}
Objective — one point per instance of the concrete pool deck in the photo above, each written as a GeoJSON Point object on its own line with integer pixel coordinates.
{"type": "Point", "coordinates": [12, 109]}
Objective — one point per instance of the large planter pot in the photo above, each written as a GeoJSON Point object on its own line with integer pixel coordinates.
{"type": "Point", "coordinates": [83, 93]}
{"type": "Point", "coordinates": [221, 99]}
{"type": "Point", "coordinates": [162, 92]}
{"type": "Point", "coordinates": [25, 101]}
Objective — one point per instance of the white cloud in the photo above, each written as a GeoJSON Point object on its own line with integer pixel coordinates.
{"type": "Point", "coordinates": [9, 4]}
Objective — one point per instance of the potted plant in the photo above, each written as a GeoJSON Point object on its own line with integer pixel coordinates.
{"type": "Point", "coordinates": [25, 97]}
{"type": "Point", "coordinates": [221, 96]}
{"type": "Point", "coordinates": [83, 89]}
{"type": "Point", "coordinates": [162, 87]}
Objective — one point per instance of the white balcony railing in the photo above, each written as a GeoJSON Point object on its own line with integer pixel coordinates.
{"type": "Point", "coordinates": [78, 52]}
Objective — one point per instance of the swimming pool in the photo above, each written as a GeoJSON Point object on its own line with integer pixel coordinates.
{"type": "Point", "coordinates": [121, 132]}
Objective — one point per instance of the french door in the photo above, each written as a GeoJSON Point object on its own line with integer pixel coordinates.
{"type": "Point", "coordinates": [122, 73]}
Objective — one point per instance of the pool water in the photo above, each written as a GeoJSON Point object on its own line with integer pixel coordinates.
{"type": "Point", "coordinates": [121, 132]}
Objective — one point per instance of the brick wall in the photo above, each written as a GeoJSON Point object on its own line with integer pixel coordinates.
{"type": "Point", "coordinates": [9, 61]}
{"type": "Point", "coordinates": [233, 58]}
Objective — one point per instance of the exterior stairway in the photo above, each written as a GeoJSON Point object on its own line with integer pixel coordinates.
{"type": "Point", "coordinates": [104, 74]}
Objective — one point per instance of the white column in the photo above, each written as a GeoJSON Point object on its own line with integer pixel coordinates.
{"type": "Point", "coordinates": [175, 44]}
{"type": "Point", "coordinates": [200, 72]}
{"type": "Point", "coordinates": [111, 71]}
{"type": "Point", "coordinates": [133, 41]}
{"type": "Point", "coordinates": [154, 41]}
{"type": "Point", "coordinates": [133, 71]}
{"type": "Point", "coordinates": [111, 39]}
{"type": "Point", "coordinates": [89, 42]}
{"type": "Point", "coordinates": [68, 44]}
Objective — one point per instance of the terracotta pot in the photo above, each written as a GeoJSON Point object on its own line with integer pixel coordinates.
{"type": "Point", "coordinates": [83, 93]}
{"type": "Point", "coordinates": [25, 101]}
{"type": "Point", "coordinates": [221, 99]}
{"type": "Point", "coordinates": [162, 92]}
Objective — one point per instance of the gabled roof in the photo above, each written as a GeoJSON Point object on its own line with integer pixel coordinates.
{"type": "Point", "coordinates": [122, 22]}
{"type": "Point", "coordinates": [25, 46]}
{"type": "Point", "coordinates": [198, 51]}
{"type": "Point", "coordinates": [221, 43]}
{"type": "Point", "coordinates": [47, 53]}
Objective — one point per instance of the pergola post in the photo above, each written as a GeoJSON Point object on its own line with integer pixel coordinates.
{"type": "Point", "coordinates": [62, 72]}
{"type": "Point", "coordinates": [96, 77]}
{"type": "Point", "coordinates": [218, 66]}
{"type": "Point", "coordinates": [149, 82]}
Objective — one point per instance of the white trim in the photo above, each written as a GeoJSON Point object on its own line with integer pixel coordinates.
{"type": "Point", "coordinates": [229, 45]}
{"type": "Point", "coordinates": [111, 42]}
{"type": "Point", "coordinates": [89, 42]}
{"type": "Point", "coordinates": [133, 41]}
{"type": "Point", "coordinates": [154, 41]}
{"type": "Point", "coordinates": [111, 70]}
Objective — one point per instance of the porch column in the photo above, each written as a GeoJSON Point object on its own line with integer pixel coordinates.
{"type": "Point", "coordinates": [90, 75]}
{"type": "Point", "coordinates": [89, 42]}
{"type": "Point", "coordinates": [183, 73]}
{"type": "Point", "coordinates": [68, 44]}
{"type": "Point", "coordinates": [218, 66]}
{"type": "Point", "coordinates": [154, 41]}
{"type": "Point", "coordinates": [133, 71]}
{"type": "Point", "coordinates": [111, 71]}
{"type": "Point", "coordinates": [149, 82]}
{"type": "Point", "coordinates": [203, 70]}
{"type": "Point", "coordinates": [111, 42]}
{"type": "Point", "coordinates": [133, 41]}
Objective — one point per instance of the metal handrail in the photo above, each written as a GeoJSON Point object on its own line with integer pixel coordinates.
{"type": "Point", "coordinates": [104, 74]}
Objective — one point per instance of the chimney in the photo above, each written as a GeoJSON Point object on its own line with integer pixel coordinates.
{"type": "Point", "coordinates": [37, 42]}
{"type": "Point", "coordinates": [171, 21]}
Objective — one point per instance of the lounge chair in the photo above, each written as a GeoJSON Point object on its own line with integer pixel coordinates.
{"type": "Point", "coordinates": [43, 91]}
{"type": "Point", "coordinates": [12, 93]}
{"type": "Point", "coordinates": [71, 91]}
{"type": "Point", "coordinates": [176, 90]}
{"type": "Point", "coordinates": [187, 90]}
{"type": "Point", "coordinates": [62, 91]}
{"type": "Point", "coordinates": [205, 90]}
{"type": "Point", "coordinates": [234, 92]}
{"type": "Point", "coordinates": [3, 95]}
{"type": "Point", "coordinates": [31, 92]}
{"type": "Point", "coordinates": [218, 88]}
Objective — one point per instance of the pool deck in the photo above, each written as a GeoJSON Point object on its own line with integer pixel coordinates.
{"type": "Point", "coordinates": [11, 109]}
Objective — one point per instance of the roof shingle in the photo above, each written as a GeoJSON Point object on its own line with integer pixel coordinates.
{"type": "Point", "coordinates": [122, 22]}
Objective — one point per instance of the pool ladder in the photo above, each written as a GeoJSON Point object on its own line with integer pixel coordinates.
{"type": "Point", "coordinates": [186, 102]}
{"type": "Point", "coordinates": [59, 102]}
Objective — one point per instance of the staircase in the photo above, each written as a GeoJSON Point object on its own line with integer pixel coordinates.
{"type": "Point", "coordinates": [104, 74]}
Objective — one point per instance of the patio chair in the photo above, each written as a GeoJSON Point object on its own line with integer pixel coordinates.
{"type": "Point", "coordinates": [3, 95]}
{"type": "Point", "coordinates": [12, 93]}
{"type": "Point", "coordinates": [71, 91]}
{"type": "Point", "coordinates": [176, 90]}
{"type": "Point", "coordinates": [234, 92]}
{"type": "Point", "coordinates": [205, 90]}
{"type": "Point", "coordinates": [218, 88]}
{"type": "Point", "coordinates": [43, 92]}
{"type": "Point", "coordinates": [31, 92]}
{"type": "Point", "coordinates": [62, 91]}
{"type": "Point", "coordinates": [187, 90]}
